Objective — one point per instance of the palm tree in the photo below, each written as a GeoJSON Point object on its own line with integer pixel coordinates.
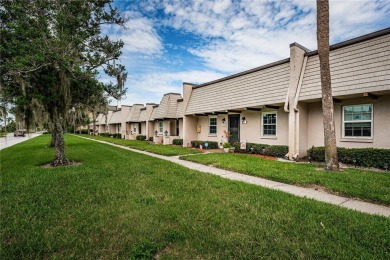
{"type": "Point", "coordinates": [331, 160]}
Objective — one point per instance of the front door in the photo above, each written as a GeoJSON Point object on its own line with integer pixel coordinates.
{"type": "Point", "coordinates": [234, 128]}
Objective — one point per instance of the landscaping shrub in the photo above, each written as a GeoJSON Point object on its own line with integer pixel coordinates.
{"type": "Point", "coordinates": [197, 143]}
{"type": "Point", "coordinates": [119, 136]}
{"type": "Point", "coordinates": [177, 141]}
{"type": "Point", "coordinates": [263, 149]}
{"type": "Point", "coordinates": [84, 131]}
{"type": "Point", "coordinates": [151, 139]}
{"type": "Point", "coordinates": [367, 157]}
{"type": "Point", "coordinates": [141, 137]}
{"type": "Point", "coordinates": [105, 134]}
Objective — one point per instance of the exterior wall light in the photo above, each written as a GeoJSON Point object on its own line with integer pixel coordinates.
{"type": "Point", "coordinates": [243, 120]}
{"type": "Point", "coordinates": [223, 120]}
{"type": "Point", "coordinates": [166, 133]}
{"type": "Point", "coordinates": [155, 133]}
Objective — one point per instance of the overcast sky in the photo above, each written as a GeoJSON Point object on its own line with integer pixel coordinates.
{"type": "Point", "coordinates": [170, 42]}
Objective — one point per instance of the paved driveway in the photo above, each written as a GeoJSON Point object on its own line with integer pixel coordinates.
{"type": "Point", "coordinates": [10, 140]}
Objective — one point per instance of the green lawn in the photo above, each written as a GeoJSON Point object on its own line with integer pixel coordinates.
{"type": "Point", "coordinates": [167, 150]}
{"type": "Point", "coordinates": [120, 204]}
{"type": "Point", "coordinates": [368, 185]}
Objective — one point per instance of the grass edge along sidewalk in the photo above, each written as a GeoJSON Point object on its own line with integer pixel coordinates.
{"type": "Point", "coordinates": [167, 150]}
{"type": "Point", "coordinates": [304, 192]}
{"type": "Point", "coordinates": [121, 204]}
{"type": "Point", "coordinates": [371, 186]}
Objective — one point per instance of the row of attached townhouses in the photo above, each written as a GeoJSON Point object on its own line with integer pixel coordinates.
{"type": "Point", "coordinates": [276, 104]}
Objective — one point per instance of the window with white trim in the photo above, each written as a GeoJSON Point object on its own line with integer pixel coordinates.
{"type": "Point", "coordinates": [268, 120]}
{"type": "Point", "coordinates": [357, 121]}
{"type": "Point", "coordinates": [212, 125]}
{"type": "Point", "coordinates": [160, 127]}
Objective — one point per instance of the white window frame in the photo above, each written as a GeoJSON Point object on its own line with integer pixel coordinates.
{"type": "Point", "coordinates": [216, 126]}
{"type": "Point", "coordinates": [262, 124]}
{"type": "Point", "coordinates": [358, 121]}
{"type": "Point", "coordinates": [161, 127]}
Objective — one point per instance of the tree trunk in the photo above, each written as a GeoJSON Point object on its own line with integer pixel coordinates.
{"type": "Point", "coordinates": [58, 134]}
{"type": "Point", "coordinates": [331, 160]}
{"type": "Point", "coordinates": [53, 139]}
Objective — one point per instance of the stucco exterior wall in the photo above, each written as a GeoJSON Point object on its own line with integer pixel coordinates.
{"type": "Point", "coordinates": [381, 124]}
{"type": "Point", "coordinates": [203, 123]}
{"type": "Point", "coordinates": [251, 131]}
{"type": "Point", "coordinates": [189, 130]}
{"type": "Point", "coordinates": [143, 128]}
{"type": "Point", "coordinates": [303, 128]}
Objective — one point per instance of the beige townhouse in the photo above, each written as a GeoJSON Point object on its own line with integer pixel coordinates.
{"type": "Point", "coordinates": [280, 103]}
{"type": "Point", "coordinates": [167, 119]}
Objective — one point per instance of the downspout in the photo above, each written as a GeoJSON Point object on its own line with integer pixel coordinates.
{"type": "Point", "coordinates": [296, 110]}
{"type": "Point", "coordinates": [286, 101]}
{"type": "Point", "coordinates": [299, 85]}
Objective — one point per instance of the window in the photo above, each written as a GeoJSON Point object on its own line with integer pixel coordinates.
{"type": "Point", "coordinates": [268, 123]}
{"type": "Point", "coordinates": [213, 125]}
{"type": "Point", "coordinates": [357, 121]}
{"type": "Point", "coordinates": [160, 126]}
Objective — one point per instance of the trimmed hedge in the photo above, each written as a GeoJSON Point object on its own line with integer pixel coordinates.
{"type": "Point", "coordinates": [151, 139]}
{"type": "Point", "coordinates": [367, 157]}
{"type": "Point", "coordinates": [197, 143]}
{"type": "Point", "coordinates": [119, 136]}
{"type": "Point", "coordinates": [141, 137]}
{"type": "Point", "coordinates": [177, 141]}
{"type": "Point", "coordinates": [263, 149]}
{"type": "Point", "coordinates": [84, 131]}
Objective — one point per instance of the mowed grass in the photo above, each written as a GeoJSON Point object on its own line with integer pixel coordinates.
{"type": "Point", "coordinates": [364, 184]}
{"type": "Point", "coordinates": [120, 204]}
{"type": "Point", "coordinates": [167, 150]}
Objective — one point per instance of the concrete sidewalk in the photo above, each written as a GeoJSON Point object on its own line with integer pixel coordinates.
{"type": "Point", "coordinates": [354, 204]}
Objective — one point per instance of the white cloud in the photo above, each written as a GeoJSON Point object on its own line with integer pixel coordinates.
{"type": "Point", "coordinates": [151, 87]}
{"type": "Point", "coordinates": [246, 34]}
{"type": "Point", "coordinates": [139, 36]}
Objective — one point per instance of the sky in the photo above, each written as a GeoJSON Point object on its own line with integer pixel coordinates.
{"type": "Point", "coordinates": [170, 42]}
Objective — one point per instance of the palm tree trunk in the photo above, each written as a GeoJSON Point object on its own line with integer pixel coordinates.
{"type": "Point", "coordinates": [331, 160]}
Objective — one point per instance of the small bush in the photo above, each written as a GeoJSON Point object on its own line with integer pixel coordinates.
{"type": "Point", "coordinates": [197, 143]}
{"type": "Point", "coordinates": [84, 131]}
{"type": "Point", "coordinates": [46, 133]}
{"type": "Point", "coordinates": [119, 136]}
{"type": "Point", "coordinates": [367, 157]}
{"type": "Point", "coordinates": [111, 135]}
{"type": "Point", "coordinates": [177, 141]}
{"type": "Point", "coordinates": [263, 149]}
{"type": "Point", "coordinates": [141, 137]}
{"type": "Point", "coordinates": [277, 150]}
{"type": "Point", "coordinates": [151, 139]}
{"type": "Point", "coordinates": [226, 145]}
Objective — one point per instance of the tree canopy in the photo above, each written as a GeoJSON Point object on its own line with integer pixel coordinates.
{"type": "Point", "coordinates": [51, 54]}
